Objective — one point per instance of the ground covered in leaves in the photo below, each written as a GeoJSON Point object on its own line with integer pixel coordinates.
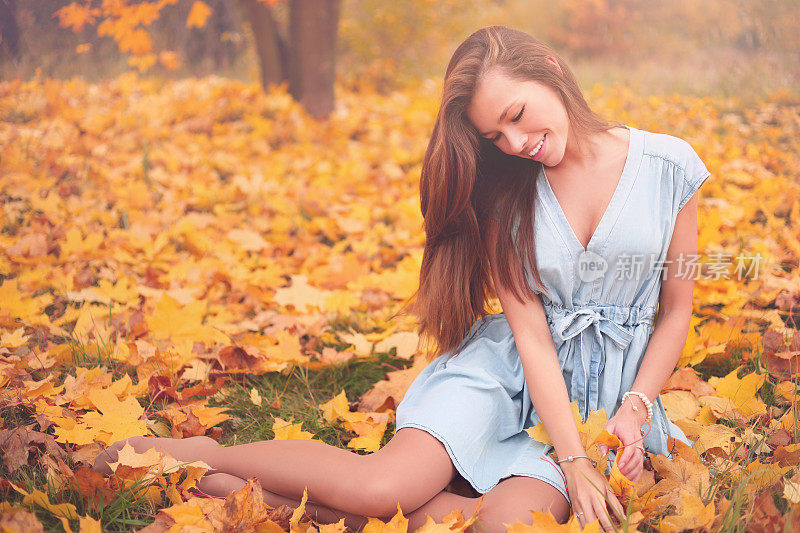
{"type": "Point", "coordinates": [201, 258]}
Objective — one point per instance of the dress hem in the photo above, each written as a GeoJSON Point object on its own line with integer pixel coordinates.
{"type": "Point", "coordinates": [461, 470]}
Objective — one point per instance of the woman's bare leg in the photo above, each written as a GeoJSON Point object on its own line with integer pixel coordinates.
{"type": "Point", "coordinates": [441, 505]}
{"type": "Point", "coordinates": [437, 508]}
{"type": "Point", "coordinates": [336, 478]}
{"type": "Point", "coordinates": [223, 484]}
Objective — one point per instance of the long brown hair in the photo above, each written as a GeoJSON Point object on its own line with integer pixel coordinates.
{"type": "Point", "coordinates": [466, 180]}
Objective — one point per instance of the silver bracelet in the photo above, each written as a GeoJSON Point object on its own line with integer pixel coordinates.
{"type": "Point", "coordinates": [572, 457]}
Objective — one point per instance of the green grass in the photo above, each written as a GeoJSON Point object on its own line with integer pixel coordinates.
{"type": "Point", "coordinates": [300, 392]}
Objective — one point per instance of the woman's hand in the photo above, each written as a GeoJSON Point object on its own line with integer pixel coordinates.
{"type": "Point", "coordinates": [626, 424]}
{"type": "Point", "coordinates": [588, 490]}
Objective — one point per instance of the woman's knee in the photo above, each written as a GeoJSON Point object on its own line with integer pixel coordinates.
{"type": "Point", "coordinates": [410, 469]}
{"type": "Point", "coordinates": [514, 499]}
{"type": "Point", "coordinates": [220, 484]}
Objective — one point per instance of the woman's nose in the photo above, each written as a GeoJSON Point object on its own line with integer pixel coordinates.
{"type": "Point", "coordinates": [518, 143]}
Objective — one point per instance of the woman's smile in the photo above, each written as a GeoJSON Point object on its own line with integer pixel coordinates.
{"type": "Point", "coordinates": [538, 151]}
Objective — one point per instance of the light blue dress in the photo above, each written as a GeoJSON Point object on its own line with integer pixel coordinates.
{"type": "Point", "coordinates": [478, 403]}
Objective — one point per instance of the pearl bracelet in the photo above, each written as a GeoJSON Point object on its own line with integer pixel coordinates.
{"type": "Point", "coordinates": [646, 402]}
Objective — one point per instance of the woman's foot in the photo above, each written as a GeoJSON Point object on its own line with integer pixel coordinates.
{"type": "Point", "coordinates": [188, 449]}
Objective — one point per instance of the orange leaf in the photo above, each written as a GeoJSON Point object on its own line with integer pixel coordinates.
{"type": "Point", "coordinates": [198, 15]}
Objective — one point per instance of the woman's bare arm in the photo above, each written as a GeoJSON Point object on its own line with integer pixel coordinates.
{"type": "Point", "coordinates": [674, 312]}
{"type": "Point", "coordinates": [539, 362]}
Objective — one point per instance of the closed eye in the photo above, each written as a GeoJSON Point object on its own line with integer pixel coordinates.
{"type": "Point", "coordinates": [515, 119]}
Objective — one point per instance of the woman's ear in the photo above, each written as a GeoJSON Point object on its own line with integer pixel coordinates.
{"type": "Point", "coordinates": [554, 62]}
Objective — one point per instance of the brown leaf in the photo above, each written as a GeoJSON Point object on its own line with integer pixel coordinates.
{"type": "Point", "coordinates": [779, 437]}
{"type": "Point", "coordinates": [787, 455]}
{"type": "Point", "coordinates": [235, 357]}
{"type": "Point", "coordinates": [161, 386]}
{"type": "Point", "coordinates": [772, 341]}
{"type": "Point", "coordinates": [782, 360]}
{"type": "Point", "coordinates": [192, 427]}
{"type": "Point", "coordinates": [766, 517]}
{"type": "Point", "coordinates": [687, 378]}
{"type": "Point", "coordinates": [17, 443]}
{"type": "Point", "coordinates": [786, 301]}
{"type": "Point", "coordinates": [15, 448]}
{"type": "Point", "coordinates": [93, 487]}
{"type": "Point", "coordinates": [244, 508]}
{"type": "Point", "coordinates": [20, 520]}
{"type": "Point", "coordinates": [202, 389]}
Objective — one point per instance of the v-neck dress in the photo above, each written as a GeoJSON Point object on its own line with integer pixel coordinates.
{"type": "Point", "coordinates": [600, 304]}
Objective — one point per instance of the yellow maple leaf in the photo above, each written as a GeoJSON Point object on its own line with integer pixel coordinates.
{"type": "Point", "coordinates": [209, 416]}
{"type": "Point", "coordinates": [691, 513]}
{"type": "Point", "coordinates": [691, 354]}
{"type": "Point", "coordinates": [361, 345]}
{"type": "Point", "coordinates": [86, 524]}
{"type": "Point", "coordinates": [404, 341]}
{"type": "Point", "coordinates": [287, 349]}
{"type": "Point", "coordinates": [142, 62]}
{"type": "Point", "coordinates": [116, 420]}
{"type": "Point", "coordinates": [198, 15]}
{"type": "Point", "coordinates": [255, 397]}
{"type": "Point", "coordinates": [76, 16]}
{"type": "Point", "coordinates": [762, 476]}
{"type": "Point", "coordinates": [169, 59]}
{"type": "Point", "coordinates": [75, 432]}
{"type": "Point", "coordinates": [589, 430]}
{"type": "Point", "coordinates": [188, 515]}
{"type": "Point", "coordinates": [14, 339]}
{"type": "Point", "coordinates": [369, 438]}
{"type": "Point", "coordinates": [787, 390]}
{"type": "Point", "coordinates": [302, 296]}
{"type": "Point", "coordinates": [336, 408]}
{"type": "Point", "coordinates": [342, 302]}
{"type": "Point", "coordinates": [128, 456]}
{"type": "Point", "coordinates": [19, 304]}
{"type": "Point", "coordinates": [680, 404]}
{"type": "Point", "coordinates": [284, 429]}
{"type": "Point", "coordinates": [177, 323]}
{"type": "Point", "coordinates": [40, 499]}
{"type": "Point", "coordinates": [716, 435]}
{"type": "Point", "coordinates": [43, 388]}
{"type": "Point", "coordinates": [742, 392]}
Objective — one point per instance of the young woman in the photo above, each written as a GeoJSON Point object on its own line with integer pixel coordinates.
{"type": "Point", "coordinates": [570, 220]}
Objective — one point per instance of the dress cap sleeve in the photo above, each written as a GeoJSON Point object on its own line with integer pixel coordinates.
{"type": "Point", "coordinates": [695, 175]}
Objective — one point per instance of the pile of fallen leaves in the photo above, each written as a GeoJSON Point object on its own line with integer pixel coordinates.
{"type": "Point", "coordinates": [159, 238]}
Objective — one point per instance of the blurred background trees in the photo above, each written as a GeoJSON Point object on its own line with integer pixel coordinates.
{"type": "Point", "coordinates": [726, 47]}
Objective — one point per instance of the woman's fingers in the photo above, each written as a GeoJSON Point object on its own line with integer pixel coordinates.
{"type": "Point", "coordinates": [588, 517]}
{"type": "Point", "coordinates": [601, 513]}
{"type": "Point", "coordinates": [597, 511]}
{"type": "Point", "coordinates": [630, 455]}
{"type": "Point", "coordinates": [617, 507]}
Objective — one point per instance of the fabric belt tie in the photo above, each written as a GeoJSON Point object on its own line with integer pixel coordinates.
{"type": "Point", "coordinates": [576, 323]}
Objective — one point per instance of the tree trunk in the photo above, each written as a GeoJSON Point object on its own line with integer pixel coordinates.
{"type": "Point", "coordinates": [9, 31]}
{"type": "Point", "coordinates": [270, 47]}
{"type": "Point", "coordinates": [313, 26]}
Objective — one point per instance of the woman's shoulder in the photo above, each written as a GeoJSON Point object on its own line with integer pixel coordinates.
{"type": "Point", "coordinates": [670, 148]}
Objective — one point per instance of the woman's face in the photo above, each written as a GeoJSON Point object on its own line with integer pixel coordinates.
{"type": "Point", "coordinates": [516, 115]}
